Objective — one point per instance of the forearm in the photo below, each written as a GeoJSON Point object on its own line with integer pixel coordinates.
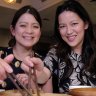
{"type": "Point", "coordinates": [47, 87]}
{"type": "Point", "coordinates": [43, 76]}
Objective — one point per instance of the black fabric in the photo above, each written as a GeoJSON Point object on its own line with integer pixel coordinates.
{"type": "Point", "coordinates": [8, 85]}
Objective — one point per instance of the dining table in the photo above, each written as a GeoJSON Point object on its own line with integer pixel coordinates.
{"type": "Point", "coordinates": [17, 93]}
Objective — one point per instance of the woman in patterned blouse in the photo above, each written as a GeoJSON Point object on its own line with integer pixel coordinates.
{"type": "Point", "coordinates": [72, 62]}
{"type": "Point", "coordinates": [26, 31]}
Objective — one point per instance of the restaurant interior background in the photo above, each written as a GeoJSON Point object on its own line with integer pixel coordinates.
{"type": "Point", "coordinates": [47, 10]}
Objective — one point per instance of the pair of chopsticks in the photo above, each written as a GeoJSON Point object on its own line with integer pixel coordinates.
{"type": "Point", "coordinates": [12, 76]}
{"type": "Point", "coordinates": [35, 77]}
{"type": "Point", "coordinates": [35, 80]}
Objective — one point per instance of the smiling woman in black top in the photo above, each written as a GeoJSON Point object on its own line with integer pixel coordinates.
{"type": "Point", "coordinates": [26, 31]}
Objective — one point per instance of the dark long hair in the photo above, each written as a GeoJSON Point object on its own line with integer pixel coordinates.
{"type": "Point", "coordinates": [89, 45]}
{"type": "Point", "coordinates": [18, 14]}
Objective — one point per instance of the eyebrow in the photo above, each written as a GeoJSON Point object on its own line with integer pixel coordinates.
{"type": "Point", "coordinates": [27, 22]}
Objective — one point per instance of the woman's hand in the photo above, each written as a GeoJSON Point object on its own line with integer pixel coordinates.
{"type": "Point", "coordinates": [37, 63]}
{"type": "Point", "coordinates": [42, 73]}
{"type": "Point", "coordinates": [24, 79]}
{"type": "Point", "coordinates": [5, 67]}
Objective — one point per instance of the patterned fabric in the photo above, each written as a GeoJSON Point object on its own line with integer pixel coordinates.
{"type": "Point", "coordinates": [58, 69]}
{"type": "Point", "coordinates": [7, 84]}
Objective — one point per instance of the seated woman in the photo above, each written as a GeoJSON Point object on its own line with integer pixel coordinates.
{"type": "Point", "coordinates": [73, 59]}
{"type": "Point", "coordinates": [26, 31]}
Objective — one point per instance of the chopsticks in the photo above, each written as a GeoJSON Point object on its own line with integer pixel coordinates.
{"type": "Point", "coordinates": [35, 77]}
{"type": "Point", "coordinates": [29, 80]}
{"type": "Point", "coordinates": [12, 77]}
{"type": "Point", "coordinates": [35, 81]}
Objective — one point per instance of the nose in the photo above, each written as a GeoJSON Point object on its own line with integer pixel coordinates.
{"type": "Point", "coordinates": [69, 30]}
{"type": "Point", "coordinates": [29, 29]}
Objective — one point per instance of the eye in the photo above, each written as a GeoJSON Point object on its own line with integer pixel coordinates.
{"type": "Point", "coordinates": [36, 26]}
{"type": "Point", "coordinates": [22, 25]}
{"type": "Point", "coordinates": [62, 26]}
{"type": "Point", "coordinates": [73, 24]}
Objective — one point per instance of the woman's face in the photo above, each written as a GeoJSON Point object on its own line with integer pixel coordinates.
{"type": "Point", "coordinates": [27, 31]}
{"type": "Point", "coordinates": [72, 29]}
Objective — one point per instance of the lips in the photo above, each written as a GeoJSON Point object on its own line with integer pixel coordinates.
{"type": "Point", "coordinates": [28, 37]}
{"type": "Point", "coordinates": [71, 38]}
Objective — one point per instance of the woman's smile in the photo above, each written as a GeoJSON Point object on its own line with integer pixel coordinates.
{"type": "Point", "coordinates": [71, 38]}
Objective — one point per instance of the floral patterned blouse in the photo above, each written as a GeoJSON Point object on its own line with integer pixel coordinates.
{"type": "Point", "coordinates": [7, 84]}
{"type": "Point", "coordinates": [58, 68]}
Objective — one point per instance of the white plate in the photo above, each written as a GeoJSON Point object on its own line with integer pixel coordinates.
{"type": "Point", "coordinates": [73, 87]}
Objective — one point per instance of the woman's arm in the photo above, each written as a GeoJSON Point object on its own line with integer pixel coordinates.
{"type": "Point", "coordinates": [47, 87]}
